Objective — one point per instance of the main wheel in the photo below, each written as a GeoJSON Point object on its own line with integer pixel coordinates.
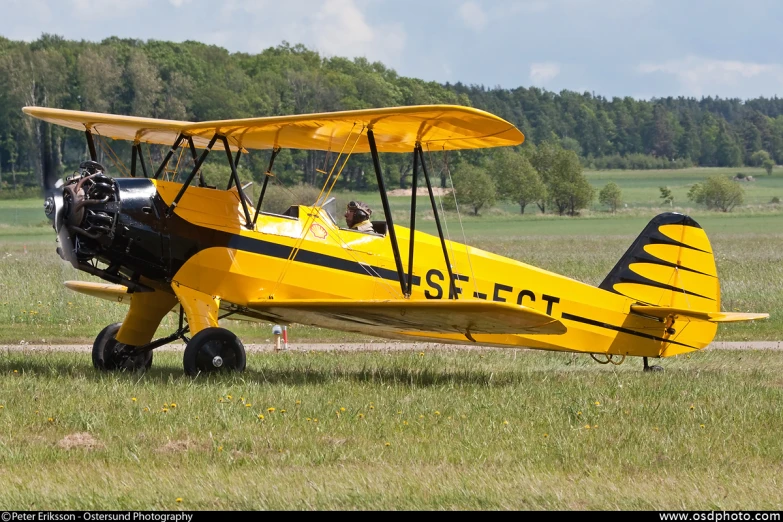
{"type": "Point", "coordinates": [109, 355]}
{"type": "Point", "coordinates": [214, 350]}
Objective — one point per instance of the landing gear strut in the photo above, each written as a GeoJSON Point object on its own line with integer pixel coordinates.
{"type": "Point", "coordinates": [654, 368]}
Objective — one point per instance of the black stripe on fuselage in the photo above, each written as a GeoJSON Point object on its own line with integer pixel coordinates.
{"type": "Point", "coordinates": [268, 248]}
{"type": "Point", "coordinates": [620, 329]}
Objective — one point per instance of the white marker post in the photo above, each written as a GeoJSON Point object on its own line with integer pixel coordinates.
{"type": "Point", "coordinates": [277, 331]}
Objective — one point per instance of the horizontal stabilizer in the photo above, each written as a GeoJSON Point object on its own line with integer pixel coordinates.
{"type": "Point", "coordinates": [116, 293]}
{"type": "Point", "coordinates": [663, 312]}
{"type": "Point", "coordinates": [465, 317]}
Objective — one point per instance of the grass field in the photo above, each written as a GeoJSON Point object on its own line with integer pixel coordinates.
{"type": "Point", "coordinates": [436, 430]}
{"type": "Point", "coordinates": [383, 431]}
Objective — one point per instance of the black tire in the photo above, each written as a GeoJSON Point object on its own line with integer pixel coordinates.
{"type": "Point", "coordinates": [109, 355]}
{"type": "Point", "coordinates": [214, 350]}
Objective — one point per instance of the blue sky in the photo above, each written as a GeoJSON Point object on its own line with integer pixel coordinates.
{"type": "Point", "coordinates": [639, 48]}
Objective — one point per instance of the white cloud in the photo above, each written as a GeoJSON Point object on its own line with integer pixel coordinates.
{"type": "Point", "coordinates": [541, 73]}
{"type": "Point", "coordinates": [473, 16]}
{"type": "Point", "coordinates": [704, 76]}
{"type": "Point", "coordinates": [179, 3]}
{"type": "Point", "coordinates": [332, 27]}
{"type": "Point", "coordinates": [103, 9]}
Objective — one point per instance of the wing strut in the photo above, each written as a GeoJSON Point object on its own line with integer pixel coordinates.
{"type": "Point", "coordinates": [452, 286]}
{"type": "Point", "coordinates": [197, 166]}
{"type": "Point", "coordinates": [268, 174]}
{"type": "Point", "coordinates": [169, 154]}
{"type": "Point", "coordinates": [387, 210]}
{"type": "Point", "coordinates": [235, 177]}
{"type": "Point", "coordinates": [414, 187]}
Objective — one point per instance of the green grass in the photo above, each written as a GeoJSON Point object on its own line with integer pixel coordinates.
{"type": "Point", "coordinates": [478, 430]}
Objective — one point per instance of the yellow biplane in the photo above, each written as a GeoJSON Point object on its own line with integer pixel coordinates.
{"type": "Point", "coordinates": [165, 246]}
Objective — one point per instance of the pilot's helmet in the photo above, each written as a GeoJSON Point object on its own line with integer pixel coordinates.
{"type": "Point", "coordinates": [361, 210]}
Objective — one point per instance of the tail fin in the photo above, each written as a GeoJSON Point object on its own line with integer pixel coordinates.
{"type": "Point", "coordinates": [670, 264]}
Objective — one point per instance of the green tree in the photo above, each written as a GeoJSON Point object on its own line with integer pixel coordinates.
{"type": "Point", "coordinates": [666, 195]}
{"type": "Point", "coordinates": [611, 196]}
{"type": "Point", "coordinates": [473, 187]}
{"type": "Point", "coordinates": [516, 179]}
{"type": "Point", "coordinates": [768, 165]}
{"type": "Point", "coordinates": [717, 193]}
{"type": "Point", "coordinates": [569, 190]}
{"type": "Point", "coordinates": [758, 158]}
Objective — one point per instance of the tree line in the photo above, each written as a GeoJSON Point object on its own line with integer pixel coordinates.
{"type": "Point", "coordinates": [195, 81]}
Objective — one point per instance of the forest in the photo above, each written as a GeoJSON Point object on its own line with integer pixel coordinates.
{"type": "Point", "coordinates": [194, 81]}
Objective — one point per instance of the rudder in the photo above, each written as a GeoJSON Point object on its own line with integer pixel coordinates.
{"type": "Point", "coordinates": [670, 264]}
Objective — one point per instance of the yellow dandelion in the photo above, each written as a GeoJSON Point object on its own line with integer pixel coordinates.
{"type": "Point", "coordinates": [692, 406]}
{"type": "Point", "coordinates": [242, 399]}
{"type": "Point", "coordinates": [166, 405]}
{"type": "Point", "coordinates": [70, 303]}
{"type": "Point", "coordinates": [437, 413]}
{"type": "Point", "coordinates": [16, 371]}
{"type": "Point", "coordinates": [701, 425]}
{"type": "Point", "coordinates": [165, 410]}
{"type": "Point", "coordinates": [387, 444]}
{"type": "Point", "coordinates": [248, 405]}
{"type": "Point", "coordinates": [24, 311]}
{"type": "Point", "coordinates": [361, 415]}
{"type": "Point", "coordinates": [51, 419]}
{"type": "Point", "coordinates": [146, 408]}
{"type": "Point", "coordinates": [546, 435]}
{"type": "Point", "coordinates": [229, 397]}
{"type": "Point", "coordinates": [315, 420]}
{"type": "Point", "coordinates": [298, 403]}
{"type": "Point", "coordinates": [372, 407]}
{"type": "Point", "coordinates": [398, 413]}
{"type": "Point", "coordinates": [597, 403]}
{"type": "Point", "coordinates": [309, 419]}
{"type": "Point", "coordinates": [220, 399]}
{"type": "Point", "coordinates": [405, 423]}
{"type": "Point", "coordinates": [595, 426]}
{"type": "Point", "coordinates": [270, 410]}
{"type": "Point", "coordinates": [505, 422]}
{"type": "Point", "coordinates": [179, 499]}
{"type": "Point", "coordinates": [342, 409]}
{"type": "Point", "coordinates": [282, 411]}
{"type": "Point", "coordinates": [1, 406]}
{"type": "Point", "coordinates": [133, 399]}
{"type": "Point", "coordinates": [261, 416]}
{"type": "Point", "coordinates": [587, 426]}
{"type": "Point", "coordinates": [173, 405]}
{"type": "Point", "coordinates": [687, 356]}
{"type": "Point", "coordinates": [421, 416]}
{"type": "Point", "coordinates": [578, 413]}
{"type": "Point", "coordinates": [220, 448]}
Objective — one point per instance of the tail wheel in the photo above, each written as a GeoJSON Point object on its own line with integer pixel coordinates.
{"type": "Point", "coordinates": [214, 350]}
{"type": "Point", "coordinates": [110, 355]}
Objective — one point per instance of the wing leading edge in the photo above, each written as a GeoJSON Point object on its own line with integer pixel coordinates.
{"type": "Point", "coordinates": [396, 129]}
{"type": "Point", "coordinates": [464, 317]}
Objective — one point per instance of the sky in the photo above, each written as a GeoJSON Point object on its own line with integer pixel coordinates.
{"type": "Point", "coordinates": [638, 48]}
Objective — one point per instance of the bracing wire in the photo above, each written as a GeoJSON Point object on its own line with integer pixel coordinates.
{"type": "Point", "coordinates": [462, 227]}
{"type": "Point", "coordinates": [115, 159]}
{"type": "Point", "coordinates": [311, 216]}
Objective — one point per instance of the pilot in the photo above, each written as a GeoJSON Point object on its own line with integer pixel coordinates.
{"type": "Point", "coordinates": [357, 216]}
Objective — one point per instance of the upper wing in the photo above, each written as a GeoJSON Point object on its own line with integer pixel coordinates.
{"type": "Point", "coordinates": [396, 129]}
{"type": "Point", "coordinates": [438, 316]}
{"type": "Point", "coordinates": [663, 312]}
